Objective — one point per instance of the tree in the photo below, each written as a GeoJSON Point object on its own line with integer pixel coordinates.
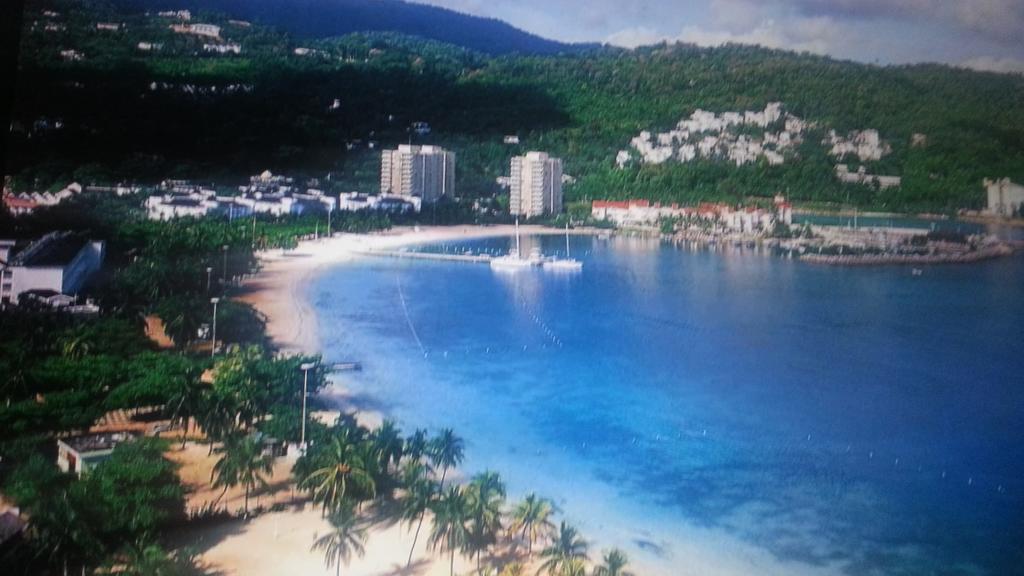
{"type": "Point", "coordinates": [417, 444]}
{"type": "Point", "coordinates": [531, 519]}
{"type": "Point", "coordinates": [242, 462]}
{"type": "Point", "coordinates": [343, 473]}
{"type": "Point", "coordinates": [420, 493]}
{"type": "Point", "coordinates": [347, 536]}
{"type": "Point", "coordinates": [446, 450]}
{"type": "Point", "coordinates": [566, 547]}
{"type": "Point", "coordinates": [61, 531]}
{"type": "Point", "coordinates": [185, 405]}
{"type": "Point", "coordinates": [451, 514]}
{"type": "Point", "coordinates": [216, 416]}
{"type": "Point", "coordinates": [614, 564]}
{"type": "Point", "coordinates": [513, 569]}
{"type": "Point", "coordinates": [388, 443]}
{"type": "Point", "coordinates": [134, 492]}
{"type": "Point", "coordinates": [485, 497]}
{"type": "Point", "coordinates": [573, 567]}
{"type": "Point", "coordinates": [152, 560]}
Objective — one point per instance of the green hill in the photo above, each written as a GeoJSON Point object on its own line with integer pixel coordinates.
{"type": "Point", "coordinates": [129, 114]}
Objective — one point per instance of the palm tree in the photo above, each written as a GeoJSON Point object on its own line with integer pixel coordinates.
{"type": "Point", "coordinates": [449, 533]}
{"type": "Point", "coordinates": [152, 560]}
{"type": "Point", "coordinates": [420, 493]}
{"type": "Point", "coordinates": [566, 547]}
{"type": "Point", "coordinates": [185, 405]}
{"type": "Point", "coordinates": [573, 567]}
{"type": "Point", "coordinates": [532, 520]}
{"type": "Point", "coordinates": [486, 496]}
{"type": "Point", "coordinates": [446, 450]}
{"type": "Point", "coordinates": [344, 474]}
{"type": "Point", "coordinates": [388, 443]}
{"type": "Point", "coordinates": [242, 462]}
{"type": "Point", "coordinates": [347, 536]}
{"type": "Point", "coordinates": [61, 529]}
{"type": "Point", "coordinates": [217, 416]}
{"type": "Point", "coordinates": [417, 444]}
{"type": "Point", "coordinates": [615, 562]}
{"type": "Point", "coordinates": [513, 569]}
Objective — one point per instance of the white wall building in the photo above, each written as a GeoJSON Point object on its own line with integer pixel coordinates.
{"type": "Point", "coordinates": [862, 177]}
{"type": "Point", "coordinates": [425, 172]}
{"type": "Point", "coordinates": [82, 453]}
{"type": "Point", "coordinates": [222, 48]}
{"type": "Point", "coordinates": [1004, 197]}
{"type": "Point", "coordinates": [170, 206]}
{"type": "Point", "coordinates": [59, 262]}
{"type": "Point", "coordinates": [536, 185]}
{"type": "Point", "coordinates": [207, 30]}
{"type": "Point", "coordinates": [354, 201]}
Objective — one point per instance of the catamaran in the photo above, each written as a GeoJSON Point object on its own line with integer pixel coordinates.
{"type": "Point", "coordinates": [567, 263]}
{"type": "Point", "coordinates": [513, 260]}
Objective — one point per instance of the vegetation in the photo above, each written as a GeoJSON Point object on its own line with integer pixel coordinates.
{"type": "Point", "coordinates": [78, 524]}
{"type": "Point", "coordinates": [347, 537]}
{"type": "Point", "coordinates": [531, 520]}
{"type": "Point", "coordinates": [129, 115]}
{"type": "Point", "coordinates": [63, 372]}
{"type": "Point", "coordinates": [242, 462]}
{"type": "Point", "coordinates": [111, 520]}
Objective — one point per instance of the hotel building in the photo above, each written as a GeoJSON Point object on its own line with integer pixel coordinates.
{"type": "Point", "coordinates": [424, 172]}
{"type": "Point", "coordinates": [536, 185]}
{"type": "Point", "coordinates": [60, 262]}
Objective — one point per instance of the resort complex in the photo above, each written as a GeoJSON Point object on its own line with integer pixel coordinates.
{"type": "Point", "coordinates": [535, 185]}
{"type": "Point", "coordinates": [377, 288]}
{"type": "Point", "coordinates": [423, 172]}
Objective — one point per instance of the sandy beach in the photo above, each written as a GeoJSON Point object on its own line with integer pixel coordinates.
{"type": "Point", "coordinates": [279, 543]}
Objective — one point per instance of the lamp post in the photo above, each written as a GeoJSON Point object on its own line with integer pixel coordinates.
{"type": "Point", "coordinates": [209, 272]}
{"type": "Point", "coordinates": [224, 271]}
{"type": "Point", "coordinates": [213, 333]}
{"type": "Point", "coordinates": [306, 367]}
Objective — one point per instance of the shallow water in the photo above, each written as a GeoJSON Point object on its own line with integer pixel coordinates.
{"type": "Point", "coordinates": [716, 411]}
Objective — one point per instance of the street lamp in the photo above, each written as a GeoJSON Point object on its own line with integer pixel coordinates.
{"type": "Point", "coordinates": [306, 367]}
{"type": "Point", "coordinates": [213, 334]}
{"type": "Point", "coordinates": [224, 272]}
{"type": "Point", "coordinates": [209, 271]}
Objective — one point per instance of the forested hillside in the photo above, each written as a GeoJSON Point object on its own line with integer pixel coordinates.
{"type": "Point", "coordinates": [326, 18]}
{"type": "Point", "coordinates": [112, 111]}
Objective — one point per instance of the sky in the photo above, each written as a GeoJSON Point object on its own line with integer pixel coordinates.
{"type": "Point", "coordinates": [981, 34]}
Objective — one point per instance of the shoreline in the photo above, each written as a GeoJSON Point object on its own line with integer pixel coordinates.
{"type": "Point", "coordinates": [277, 291]}
{"type": "Point", "coordinates": [279, 542]}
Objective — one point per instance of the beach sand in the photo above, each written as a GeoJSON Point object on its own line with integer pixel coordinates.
{"type": "Point", "coordinates": [279, 543]}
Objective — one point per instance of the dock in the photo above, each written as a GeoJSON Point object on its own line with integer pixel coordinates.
{"type": "Point", "coordinates": [346, 367]}
{"type": "Point", "coordinates": [478, 258]}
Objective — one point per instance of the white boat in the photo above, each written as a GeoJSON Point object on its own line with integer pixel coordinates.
{"type": "Point", "coordinates": [513, 260]}
{"type": "Point", "coordinates": [566, 264]}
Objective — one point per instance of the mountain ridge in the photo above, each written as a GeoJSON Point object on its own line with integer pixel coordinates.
{"type": "Point", "coordinates": [328, 18]}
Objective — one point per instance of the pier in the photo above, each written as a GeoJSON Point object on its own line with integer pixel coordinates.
{"type": "Point", "coordinates": [478, 258]}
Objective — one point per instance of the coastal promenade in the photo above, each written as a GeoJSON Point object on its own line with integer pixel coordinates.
{"type": "Point", "coordinates": [476, 258]}
{"type": "Point", "coordinates": [985, 253]}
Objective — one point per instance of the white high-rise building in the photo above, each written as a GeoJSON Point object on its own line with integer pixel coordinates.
{"type": "Point", "coordinates": [426, 172]}
{"type": "Point", "coordinates": [536, 185]}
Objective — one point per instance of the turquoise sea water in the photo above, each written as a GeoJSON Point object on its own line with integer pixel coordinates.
{"type": "Point", "coordinates": [722, 411]}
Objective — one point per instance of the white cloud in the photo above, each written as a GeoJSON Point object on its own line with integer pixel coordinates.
{"type": "Point", "coordinates": [635, 36]}
{"type": "Point", "coordinates": [819, 35]}
{"type": "Point", "coordinates": [995, 64]}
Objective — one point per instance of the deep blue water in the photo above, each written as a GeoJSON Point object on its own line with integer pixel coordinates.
{"type": "Point", "coordinates": [703, 408]}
